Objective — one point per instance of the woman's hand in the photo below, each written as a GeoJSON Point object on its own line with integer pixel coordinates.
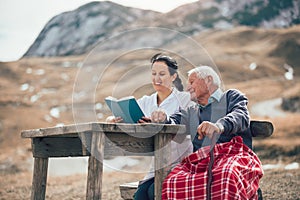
{"type": "Point", "coordinates": [113, 119]}
{"type": "Point", "coordinates": [144, 120]}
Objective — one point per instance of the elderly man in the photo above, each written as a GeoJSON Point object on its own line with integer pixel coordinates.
{"type": "Point", "coordinates": [234, 170]}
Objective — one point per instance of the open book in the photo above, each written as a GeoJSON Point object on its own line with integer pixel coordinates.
{"type": "Point", "coordinates": [126, 107]}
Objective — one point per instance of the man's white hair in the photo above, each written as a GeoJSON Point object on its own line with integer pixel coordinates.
{"type": "Point", "coordinates": [205, 71]}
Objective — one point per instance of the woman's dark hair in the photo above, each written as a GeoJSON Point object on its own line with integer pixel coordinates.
{"type": "Point", "coordinates": [172, 66]}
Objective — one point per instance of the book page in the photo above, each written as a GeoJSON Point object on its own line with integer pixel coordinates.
{"type": "Point", "coordinates": [127, 108]}
{"type": "Point", "coordinates": [131, 109]}
{"type": "Point", "coordinates": [114, 107]}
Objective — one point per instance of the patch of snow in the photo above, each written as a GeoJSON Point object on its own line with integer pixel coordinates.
{"type": "Point", "coordinates": [55, 112]}
{"type": "Point", "coordinates": [59, 125]}
{"type": "Point", "coordinates": [79, 95]}
{"type": "Point", "coordinates": [98, 106]}
{"type": "Point", "coordinates": [79, 165]}
{"type": "Point", "coordinates": [39, 72]}
{"type": "Point", "coordinates": [65, 77]}
{"type": "Point", "coordinates": [118, 163]}
{"type": "Point", "coordinates": [24, 87]}
{"type": "Point", "coordinates": [293, 165]}
{"type": "Point", "coordinates": [67, 166]}
{"type": "Point", "coordinates": [253, 66]}
{"type": "Point", "coordinates": [272, 166]}
{"type": "Point", "coordinates": [289, 75]}
{"type": "Point", "coordinates": [79, 64]}
{"type": "Point", "coordinates": [66, 64]}
{"type": "Point", "coordinates": [47, 91]}
{"type": "Point", "coordinates": [48, 118]}
{"type": "Point", "coordinates": [290, 166]}
{"type": "Point", "coordinates": [269, 108]}
{"type": "Point", "coordinates": [34, 98]}
{"type": "Point", "coordinates": [224, 25]}
{"type": "Point", "coordinates": [28, 70]}
{"type": "Point", "coordinates": [100, 115]}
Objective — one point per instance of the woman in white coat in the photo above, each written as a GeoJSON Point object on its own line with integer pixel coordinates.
{"type": "Point", "coordinates": [170, 97]}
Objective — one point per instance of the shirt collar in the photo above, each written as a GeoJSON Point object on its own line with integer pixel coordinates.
{"type": "Point", "coordinates": [169, 98]}
{"type": "Point", "coordinates": [215, 96]}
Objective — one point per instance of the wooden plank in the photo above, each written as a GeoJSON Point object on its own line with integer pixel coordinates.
{"type": "Point", "coordinates": [39, 181]}
{"type": "Point", "coordinates": [104, 127]}
{"type": "Point", "coordinates": [85, 142]}
{"type": "Point", "coordinates": [115, 145]}
{"type": "Point", "coordinates": [162, 166]}
{"type": "Point", "coordinates": [114, 127]}
{"type": "Point", "coordinates": [57, 147]}
{"type": "Point", "coordinates": [77, 128]}
{"type": "Point", "coordinates": [56, 131]}
{"type": "Point", "coordinates": [121, 144]}
{"type": "Point", "coordinates": [95, 168]}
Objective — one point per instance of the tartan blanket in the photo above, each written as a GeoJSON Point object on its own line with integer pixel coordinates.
{"type": "Point", "coordinates": [236, 173]}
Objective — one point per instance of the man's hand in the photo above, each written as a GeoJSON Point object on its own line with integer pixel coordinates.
{"type": "Point", "coordinates": [207, 128]}
{"type": "Point", "coordinates": [158, 116]}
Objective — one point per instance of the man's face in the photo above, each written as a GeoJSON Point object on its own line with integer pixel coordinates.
{"type": "Point", "coordinates": [198, 88]}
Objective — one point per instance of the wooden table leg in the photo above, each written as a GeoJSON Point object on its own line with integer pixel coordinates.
{"type": "Point", "coordinates": [162, 155]}
{"type": "Point", "coordinates": [95, 167]}
{"type": "Point", "coordinates": [39, 181]}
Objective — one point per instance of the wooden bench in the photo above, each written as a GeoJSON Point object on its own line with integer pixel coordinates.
{"type": "Point", "coordinates": [127, 190]}
{"type": "Point", "coordinates": [260, 129]}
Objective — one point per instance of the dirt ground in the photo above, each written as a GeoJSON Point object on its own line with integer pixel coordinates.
{"type": "Point", "coordinates": [279, 183]}
{"type": "Point", "coordinates": [15, 184]}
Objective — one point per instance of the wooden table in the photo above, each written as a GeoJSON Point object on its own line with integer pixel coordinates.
{"type": "Point", "coordinates": [96, 140]}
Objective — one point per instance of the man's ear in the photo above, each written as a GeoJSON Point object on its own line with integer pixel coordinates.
{"type": "Point", "coordinates": [210, 79]}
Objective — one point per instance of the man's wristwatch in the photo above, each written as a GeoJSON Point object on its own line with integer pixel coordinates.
{"type": "Point", "coordinates": [221, 127]}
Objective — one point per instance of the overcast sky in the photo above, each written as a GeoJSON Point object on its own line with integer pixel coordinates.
{"type": "Point", "coordinates": [22, 20]}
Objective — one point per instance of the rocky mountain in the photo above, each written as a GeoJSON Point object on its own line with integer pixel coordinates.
{"type": "Point", "coordinates": [77, 32]}
{"type": "Point", "coordinates": [73, 33]}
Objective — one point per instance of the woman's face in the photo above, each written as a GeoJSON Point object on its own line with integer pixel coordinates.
{"type": "Point", "coordinates": [161, 77]}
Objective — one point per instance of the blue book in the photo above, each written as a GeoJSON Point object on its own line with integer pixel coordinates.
{"type": "Point", "coordinates": [126, 107]}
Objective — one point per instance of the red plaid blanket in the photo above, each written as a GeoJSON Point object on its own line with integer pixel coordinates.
{"type": "Point", "coordinates": [236, 174]}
